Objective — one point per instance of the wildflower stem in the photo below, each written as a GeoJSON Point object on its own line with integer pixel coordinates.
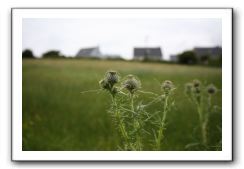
{"type": "Point", "coordinates": [203, 124]}
{"type": "Point", "coordinates": [146, 92]}
{"type": "Point", "coordinates": [132, 102]}
{"type": "Point", "coordinates": [162, 124]}
{"type": "Point", "coordinates": [209, 102]}
{"type": "Point", "coordinates": [120, 122]}
{"type": "Point", "coordinates": [165, 109]}
{"type": "Point", "coordinates": [136, 125]}
{"type": "Point", "coordinates": [153, 101]}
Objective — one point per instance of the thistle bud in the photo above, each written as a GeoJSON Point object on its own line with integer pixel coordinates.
{"type": "Point", "coordinates": [111, 77]}
{"type": "Point", "coordinates": [196, 83]}
{"type": "Point", "coordinates": [132, 84]}
{"type": "Point", "coordinates": [167, 86]}
{"type": "Point", "coordinates": [211, 89]}
{"type": "Point", "coordinates": [188, 88]}
{"type": "Point", "coordinates": [197, 93]}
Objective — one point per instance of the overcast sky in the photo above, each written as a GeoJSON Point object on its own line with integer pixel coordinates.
{"type": "Point", "coordinates": [119, 36]}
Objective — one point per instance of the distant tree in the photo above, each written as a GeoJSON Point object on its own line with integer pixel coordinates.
{"type": "Point", "coordinates": [27, 53]}
{"type": "Point", "coordinates": [187, 57]}
{"type": "Point", "coordinates": [52, 54]}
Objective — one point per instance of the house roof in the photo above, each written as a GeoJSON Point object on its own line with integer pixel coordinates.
{"type": "Point", "coordinates": [208, 51]}
{"type": "Point", "coordinates": [86, 51]}
{"type": "Point", "coordinates": [138, 52]}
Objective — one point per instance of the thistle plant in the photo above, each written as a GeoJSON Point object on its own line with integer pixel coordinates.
{"type": "Point", "coordinates": [167, 88]}
{"type": "Point", "coordinates": [131, 117]}
{"type": "Point", "coordinates": [132, 84]}
{"type": "Point", "coordinates": [108, 83]}
{"type": "Point", "coordinates": [138, 124]}
{"type": "Point", "coordinates": [123, 111]}
{"type": "Point", "coordinates": [198, 94]}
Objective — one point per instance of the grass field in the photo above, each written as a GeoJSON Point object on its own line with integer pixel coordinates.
{"type": "Point", "coordinates": [56, 116]}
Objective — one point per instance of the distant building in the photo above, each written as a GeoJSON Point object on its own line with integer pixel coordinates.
{"type": "Point", "coordinates": [213, 53]}
{"type": "Point", "coordinates": [174, 58]}
{"type": "Point", "coordinates": [89, 52]}
{"type": "Point", "coordinates": [148, 53]}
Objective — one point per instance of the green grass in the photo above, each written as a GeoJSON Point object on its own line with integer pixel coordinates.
{"type": "Point", "coordinates": [56, 116]}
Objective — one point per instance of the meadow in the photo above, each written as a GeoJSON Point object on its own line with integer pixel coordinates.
{"type": "Point", "coordinates": [57, 116]}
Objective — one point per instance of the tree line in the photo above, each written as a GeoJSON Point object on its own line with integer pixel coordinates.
{"type": "Point", "coordinates": [27, 53]}
{"type": "Point", "coordinates": [190, 57]}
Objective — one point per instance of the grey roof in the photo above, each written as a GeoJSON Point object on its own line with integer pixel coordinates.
{"type": "Point", "coordinates": [144, 52]}
{"type": "Point", "coordinates": [94, 51]}
{"type": "Point", "coordinates": [215, 51]}
{"type": "Point", "coordinates": [85, 52]}
{"type": "Point", "coordinates": [174, 58]}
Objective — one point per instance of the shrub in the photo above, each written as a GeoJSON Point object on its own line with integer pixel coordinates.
{"type": "Point", "coordinates": [27, 53]}
{"type": "Point", "coordinates": [52, 54]}
{"type": "Point", "coordinates": [187, 57]}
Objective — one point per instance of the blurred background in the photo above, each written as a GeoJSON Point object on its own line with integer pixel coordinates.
{"type": "Point", "coordinates": [63, 57]}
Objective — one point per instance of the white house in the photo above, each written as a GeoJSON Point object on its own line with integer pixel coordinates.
{"type": "Point", "coordinates": [89, 52]}
{"type": "Point", "coordinates": [148, 53]}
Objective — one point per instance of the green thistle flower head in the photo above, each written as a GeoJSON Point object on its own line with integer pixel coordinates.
{"type": "Point", "coordinates": [188, 88]}
{"type": "Point", "coordinates": [196, 87]}
{"type": "Point", "coordinates": [196, 83]}
{"type": "Point", "coordinates": [167, 86]}
{"type": "Point", "coordinates": [132, 84]}
{"type": "Point", "coordinates": [111, 77]}
{"type": "Point", "coordinates": [211, 89]}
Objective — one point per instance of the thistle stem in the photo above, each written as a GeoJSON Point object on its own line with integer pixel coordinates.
{"type": "Point", "coordinates": [203, 124]}
{"type": "Point", "coordinates": [120, 122]}
{"type": "Point", "coordinates": [132, 102]}
{"type": "Point", "coordinates": [162, 124]}
{"type": "Point", "coordinates": [136, 125]}
{"type": "Point", "coordinates": [165, 109]}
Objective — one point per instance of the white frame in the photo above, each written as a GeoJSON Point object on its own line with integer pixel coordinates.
{"type": "Point", "coordinates": [223, 13]}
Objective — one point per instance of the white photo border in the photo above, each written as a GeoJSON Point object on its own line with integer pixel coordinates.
{"type": "Point", "coordinates": [226, 14]}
